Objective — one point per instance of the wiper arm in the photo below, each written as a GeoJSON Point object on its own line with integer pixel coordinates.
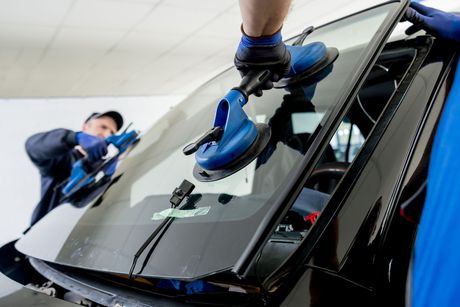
{"type": "Point", "coordinates": [178, 195]}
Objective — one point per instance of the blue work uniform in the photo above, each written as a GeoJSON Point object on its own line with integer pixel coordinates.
{"type": "Point", "coordinates": [436, 270]}
{"type": "Point", "coordinates": [53, 153]}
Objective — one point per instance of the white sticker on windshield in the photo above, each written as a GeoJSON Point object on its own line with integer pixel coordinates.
{"type": "Point", "coordinates": [305, 122]}
{"type": "Point", "coordinates": [177, 213]}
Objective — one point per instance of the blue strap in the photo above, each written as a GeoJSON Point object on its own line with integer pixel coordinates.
{"type": "Point", "coordinates": [248, 41]}
{"type": "Point", "coordinates": [436, 273]}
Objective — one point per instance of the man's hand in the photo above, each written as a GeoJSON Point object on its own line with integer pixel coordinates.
{"type": "Point", "coordinates": [259, 53]}
{"type": "Point", "coordinates": [94, 146]}
{"type": "Point", "coordinates": [438, 23]}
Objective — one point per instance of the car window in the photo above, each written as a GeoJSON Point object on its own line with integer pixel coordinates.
{"type": "Point", "coordinates": [347, 141]}
{"type": "Point", "coordinates": [355, 127]}
{"type": "Point", "coordinates": [381, 84]}
{"type": "Point", "coordinates": [220, 218]}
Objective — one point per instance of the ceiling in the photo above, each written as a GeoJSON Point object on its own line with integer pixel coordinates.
{"type": "Point", "coordinates": [88, 48]}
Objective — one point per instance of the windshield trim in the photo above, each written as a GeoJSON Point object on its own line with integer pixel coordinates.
{"type": "Point", "coordinates": [285, 198]}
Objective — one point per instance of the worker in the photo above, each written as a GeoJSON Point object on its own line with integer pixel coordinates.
{"type": "Point", "coordinates": [55, 151]}
{"type": "Point", "coordinates": [435, 276]}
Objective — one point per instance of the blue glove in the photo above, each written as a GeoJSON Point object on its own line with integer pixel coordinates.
{"type": "Point", "coordinates": [265, 52]}
{"type": "Point", "coordinates": [94, 146]}
{"type": "Point", "coordinates": [438, 23]}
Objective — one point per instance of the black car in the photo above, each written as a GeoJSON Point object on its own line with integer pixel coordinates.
{"type": "Point", "coordinates": [313, 221]}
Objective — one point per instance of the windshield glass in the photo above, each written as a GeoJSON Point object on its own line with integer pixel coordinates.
{"type": "Point", "coordinates": [220, 217]}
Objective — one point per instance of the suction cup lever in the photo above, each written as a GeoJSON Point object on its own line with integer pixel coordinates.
{"type": "Point", "coordinates": [253, 82]}
{"type": "Point", "coordinates": [213, 135]}
{"type": "Point", "coordinates": [307, 31]}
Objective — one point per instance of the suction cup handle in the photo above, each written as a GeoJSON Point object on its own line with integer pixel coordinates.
{"type": "Point", "coordinates": [213, 135]}
{"type": "Point", "coordinates": [253, 81]}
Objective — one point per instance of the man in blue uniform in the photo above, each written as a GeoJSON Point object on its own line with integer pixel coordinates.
{"type": "Point", "coordinates": [436, 269]}
{"type": "Point", "coordinates": [55, 151]}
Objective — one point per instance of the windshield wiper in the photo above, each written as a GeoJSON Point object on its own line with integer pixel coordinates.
{"type": "Point", "coordinates": [178, 195]}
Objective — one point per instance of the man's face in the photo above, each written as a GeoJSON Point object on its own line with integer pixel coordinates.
{"type": "Point", "coordinates": [103, 127]}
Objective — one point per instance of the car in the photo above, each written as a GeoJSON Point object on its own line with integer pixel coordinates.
{"type": "Point", "coordinates": [314, 220]}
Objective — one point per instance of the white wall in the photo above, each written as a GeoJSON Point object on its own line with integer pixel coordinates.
{"type": "Point", "coordinates": [20, 187]}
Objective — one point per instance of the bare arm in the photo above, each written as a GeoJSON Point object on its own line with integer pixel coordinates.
{"type": "Point", "coordinates": [263, 17]}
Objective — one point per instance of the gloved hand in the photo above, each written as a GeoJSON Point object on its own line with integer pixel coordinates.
{"type": "Point", "coordinates": [94, 146]}
{"type": "Point", "coordinates": [266, 52]}
{"type": "Point", "coordinates": [438, 23]}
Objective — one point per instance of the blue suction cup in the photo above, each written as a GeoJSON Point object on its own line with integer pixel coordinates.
{"type": "Point", "coordinates": [235, 140]}
{"type": "Point", "coordinates": [239, 134]}
{"type": "Point", "coordinates": [238, 162]}
{"type": "Point", "coordinates": [307, 62]}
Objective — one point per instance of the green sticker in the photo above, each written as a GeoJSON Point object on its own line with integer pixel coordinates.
{"type": "Point", "coordinates": [177, 213]}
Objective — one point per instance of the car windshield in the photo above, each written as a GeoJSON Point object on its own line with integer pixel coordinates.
{"type": "Point", "coordinates": [220, 218]}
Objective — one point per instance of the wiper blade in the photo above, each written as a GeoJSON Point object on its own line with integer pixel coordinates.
{"type": "Point", "coordinates": [178, 195]}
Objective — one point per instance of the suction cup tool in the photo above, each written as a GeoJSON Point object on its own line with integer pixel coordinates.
{"type": "Point", "coordinates": [235, 140]}
{"type": "Point", "coordinates": [307, 62]}
{"type": "Point", "coordinates": [239, 162]}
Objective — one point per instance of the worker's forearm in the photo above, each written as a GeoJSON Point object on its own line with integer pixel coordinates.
{"type": "Point", "coordinates": [263, 17]}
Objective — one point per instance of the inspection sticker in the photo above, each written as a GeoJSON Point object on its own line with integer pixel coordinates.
{"type": "Point", "coordinates": [177, 213]}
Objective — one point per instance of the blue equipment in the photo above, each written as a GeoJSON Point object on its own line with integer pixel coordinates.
{"type": "Point", "coordinates": [85, 172]}
{"type": "Point", "coordinates": [235, 141]}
